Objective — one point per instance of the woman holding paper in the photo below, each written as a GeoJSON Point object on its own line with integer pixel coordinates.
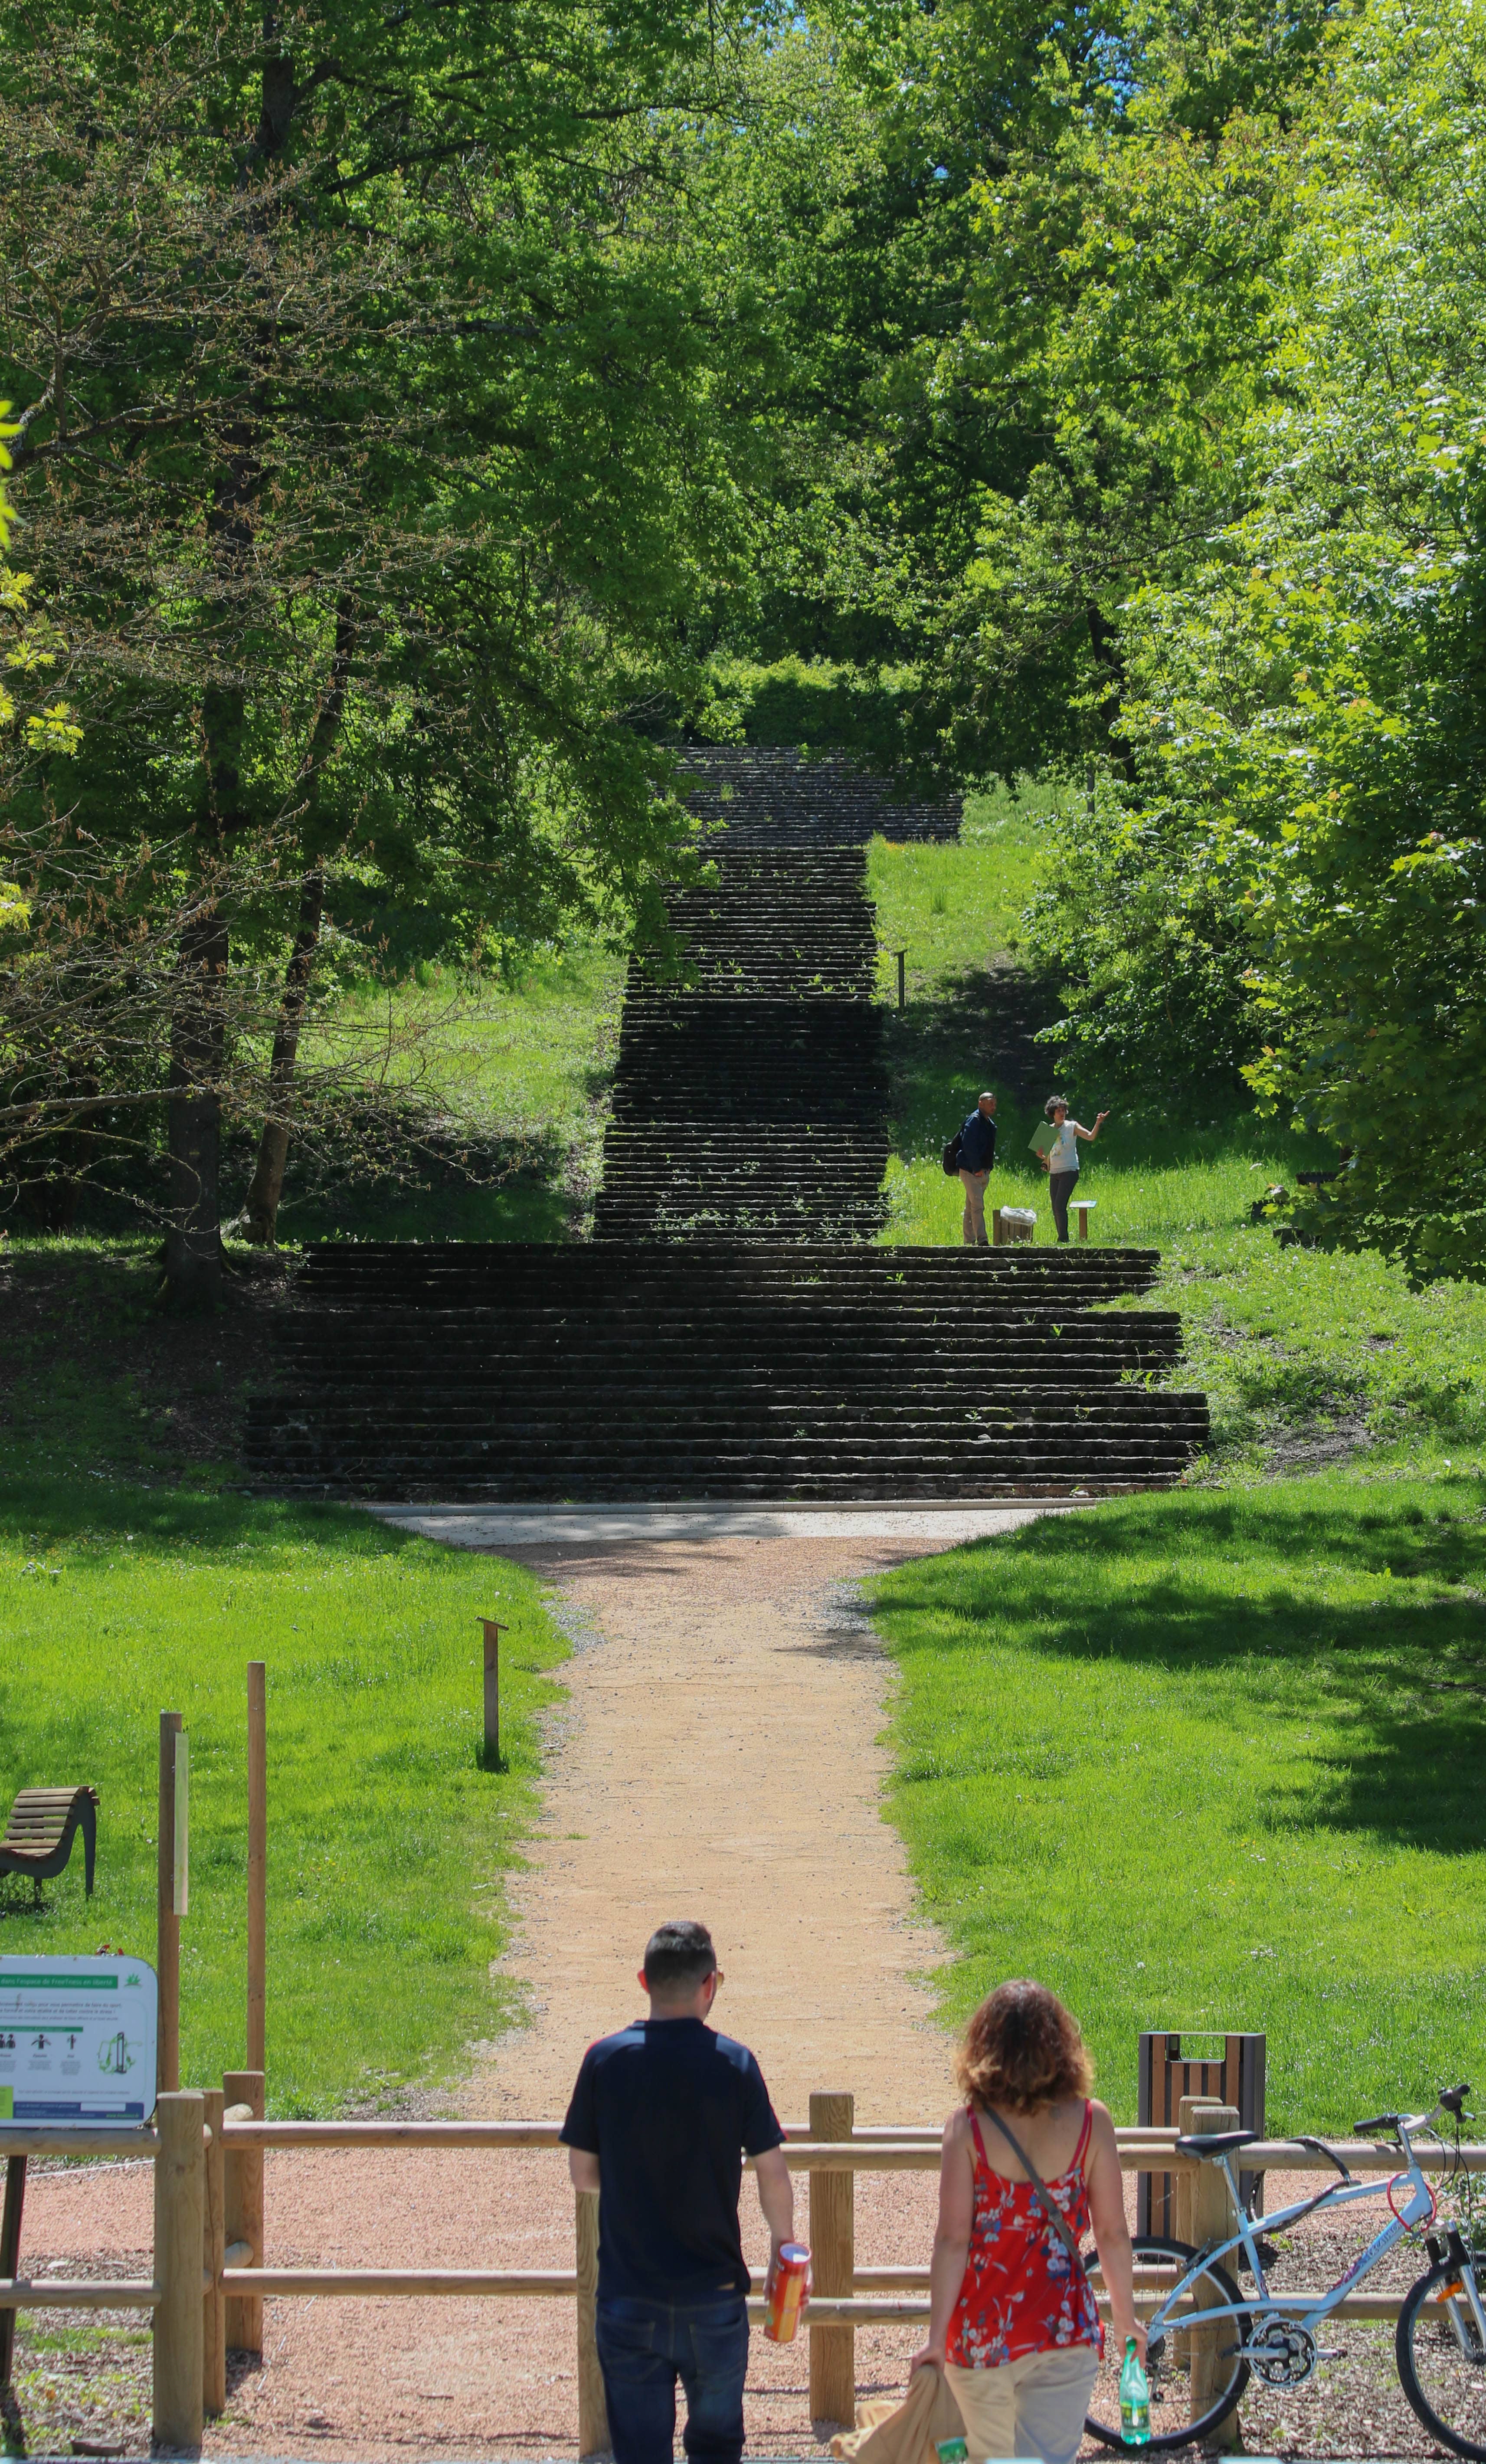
{"type": "Point", "coordinates": [1059, 1151]}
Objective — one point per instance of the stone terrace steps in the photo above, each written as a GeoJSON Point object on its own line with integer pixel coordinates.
{"type": "Point", "coordinates": [789, 924]}
{"type": "Point", "coordinates": [723, 1369]}
{"type": "Point", "coordinates": [769, 796]}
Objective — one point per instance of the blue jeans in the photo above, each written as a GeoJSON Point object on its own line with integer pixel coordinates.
{"type": "Point", "coordinates": [643, 2346]}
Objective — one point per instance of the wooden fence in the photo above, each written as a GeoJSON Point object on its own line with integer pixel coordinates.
{"type": "Point", "coordinates": [211, 2277]}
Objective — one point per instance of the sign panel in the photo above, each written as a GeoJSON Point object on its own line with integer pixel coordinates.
{"type": "Point", "coordinates": [77, 2041]}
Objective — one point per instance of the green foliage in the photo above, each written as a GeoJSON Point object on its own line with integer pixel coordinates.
{"type": "Point", "coordinates": [1206, 1762]}
{"type": "Point", "coordinates": [388, 1843]}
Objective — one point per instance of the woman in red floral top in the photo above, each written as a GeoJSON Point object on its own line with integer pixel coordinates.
{"type": "Point", "coordinates": [1014, 2324]}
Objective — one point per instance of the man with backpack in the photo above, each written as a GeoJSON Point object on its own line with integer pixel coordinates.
{"type": "Point", "coordinates": [976, 1145]}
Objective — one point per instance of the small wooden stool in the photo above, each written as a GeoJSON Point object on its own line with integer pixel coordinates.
{"type": "Point", "coordinates": [1083, 1207]}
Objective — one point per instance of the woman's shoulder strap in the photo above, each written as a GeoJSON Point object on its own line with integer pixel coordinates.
{"type": "Point", "coordinates": [980, 2156]}
{"type": "Point", "coordinates": [1084, 2135]}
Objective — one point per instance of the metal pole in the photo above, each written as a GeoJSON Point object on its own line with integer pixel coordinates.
{"type": "Point", "coordinates": [168, 1922]}
{"type": "Point", "coordinates": [257, 1861]}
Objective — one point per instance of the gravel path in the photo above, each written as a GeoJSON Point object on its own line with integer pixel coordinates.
{"type": "Point", "coordinates": [717, 1756]}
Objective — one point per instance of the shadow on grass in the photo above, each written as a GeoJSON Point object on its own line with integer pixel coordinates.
{"type": "Point", "coordinates": [1261, 1589]}
{"type": "Point", "coordinates": [38, 1512]}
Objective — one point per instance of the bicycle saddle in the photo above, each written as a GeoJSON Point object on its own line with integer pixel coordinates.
{"type": "Point", "coordinates": [1215, 2143]}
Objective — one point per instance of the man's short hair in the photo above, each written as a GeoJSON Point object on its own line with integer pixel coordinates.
{"type": "Point", "coordinates": [986, 1099]}
{"type": "Point", "coordinates": [678, 1955]}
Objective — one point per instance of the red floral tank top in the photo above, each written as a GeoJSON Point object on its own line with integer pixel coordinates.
{"type": "Point", "coordinates": [1022, 2291]}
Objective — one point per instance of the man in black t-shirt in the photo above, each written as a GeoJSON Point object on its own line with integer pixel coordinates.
{"type": "Point", "coordinates": [659, 2121]}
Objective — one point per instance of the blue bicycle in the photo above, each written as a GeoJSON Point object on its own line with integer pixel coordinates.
{"type": "Point", "coordinates": [1208, 2338]}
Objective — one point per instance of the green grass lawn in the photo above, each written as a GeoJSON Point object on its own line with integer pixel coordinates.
{"type": "Point", "coordinates": [520, 1069]}
{"type": "Point", "coordinates": [953, 907]}
{"type": "Point", "coordinates": [388, 1844]}
{"type": "Point", "coordinates": [1213, 1761]}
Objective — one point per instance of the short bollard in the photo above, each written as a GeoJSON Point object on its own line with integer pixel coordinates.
{"type": "Point", "coordinates": [1207, 2217]}
{"type": "Point", "coordinates": [213, 2324]}
{"type": "Point", "coordinates": [833, 2264]}
{"type": "Point", "coordinates": [179, 2222]}
{"type": "Point", "coordinates": [592, 2414]}
{"type": "Point", "coordinates": [243, 2205]}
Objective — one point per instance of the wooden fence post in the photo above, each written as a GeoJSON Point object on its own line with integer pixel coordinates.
{"type": "Point", "coordinates": [10, 2253]}
{"type": "Point", "coordinates": [168, 1920]}
{"type": "Point", "coordinates": [592, 2414]}
{"type": "Point", "coordinates": [180, 2205]}
{"type": "Point", "coordinates": [243, 2211]}
{"type": "Point", "coordinates": [833, 2265]}
{"type": "Point", "coordinates": [1207, 2217]}
{"type": "Point", "coordinates": [213, 2329]}
{"type": "Point", "coordinates": [257, 1860]}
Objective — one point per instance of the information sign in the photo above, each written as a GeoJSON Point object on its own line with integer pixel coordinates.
{"type": "Point", "coordinates": [77, 2041]}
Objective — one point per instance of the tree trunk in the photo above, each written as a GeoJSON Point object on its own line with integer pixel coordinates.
{"type": "Point", "coordinates": [193, 1239]}
{"type": "Point", "coordinates": [268, 1181]}
{"type": "Point", "coordinates": [193, 1242]}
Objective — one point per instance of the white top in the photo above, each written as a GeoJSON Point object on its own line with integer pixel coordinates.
{"type": "Point", "coordinates": [1063, 1155]}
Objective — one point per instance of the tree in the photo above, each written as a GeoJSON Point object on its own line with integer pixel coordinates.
{"type": "Point", "coordinates": [369, 451]}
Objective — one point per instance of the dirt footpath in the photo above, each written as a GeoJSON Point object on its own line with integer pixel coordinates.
{"type": "Point", "coordinates": [717, 1756]}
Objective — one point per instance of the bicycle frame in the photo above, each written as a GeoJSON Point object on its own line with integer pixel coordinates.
{"type": "Point", "coordinates": [1298, 2307]}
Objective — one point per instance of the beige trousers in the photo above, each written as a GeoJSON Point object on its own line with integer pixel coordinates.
{"type": "Point", "coordinates": [975, 1208]}
{"type": "Point", "coordinates": [1033, 2407]}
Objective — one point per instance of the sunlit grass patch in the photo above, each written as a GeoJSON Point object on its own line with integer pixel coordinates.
{"type": "Point", "coordinates": [1210, 1761]}
{"type": "Point", "coordinates": [388, 1843]}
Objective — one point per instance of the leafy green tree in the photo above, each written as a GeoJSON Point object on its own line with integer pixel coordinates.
{"type": "Point", "coordinates": [369, 448]}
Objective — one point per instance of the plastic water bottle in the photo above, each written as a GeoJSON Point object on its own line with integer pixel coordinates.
{"type": "Point", "coordinates": [1134, 2399]}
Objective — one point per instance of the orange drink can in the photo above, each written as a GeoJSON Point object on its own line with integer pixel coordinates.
{"type": "Point", "coordinates": [788, 2297]}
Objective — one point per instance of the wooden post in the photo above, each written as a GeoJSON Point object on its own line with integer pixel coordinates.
{"type": "Point", "coordinates": [493, 1636]}
{"type": "Point", "coordinates": [997, 1228]}
{"type": "Point", "coordinates": [1207, 2210]}
{"type": "Point", "coordinates": [213, 2329]}
{"type": "Point", "coordinates": [592, 2414]}
{"type": "Point", "coordinates": [180, 2208]}
{"type": "Point", "coordinates": [10, 2254]}
{"type": "Point", "coordinates": [243, 2212]}
{"type": "Point", "coordinates": [257, 1861]}
{"type": "Point", "coordinates": [167, 1918]}
{"type": "Point", "coordinates": [903, 989]}
{"type": "Point", "coordinates": [833, 2265]}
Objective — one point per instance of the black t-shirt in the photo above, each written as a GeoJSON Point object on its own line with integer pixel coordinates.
{"type": "Point", "coordinates": [669, 2108]}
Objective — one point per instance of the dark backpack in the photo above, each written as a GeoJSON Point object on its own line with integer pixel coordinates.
{"type": "Point", "coordinates": [951, 1155]}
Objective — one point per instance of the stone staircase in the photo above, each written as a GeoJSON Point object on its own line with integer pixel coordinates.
{"type": "Point", "coordinates": [725, 1369]}
{"type": "Point", "coordinates": [728, 1333]}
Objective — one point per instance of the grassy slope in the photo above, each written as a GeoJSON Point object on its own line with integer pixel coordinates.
{"type": "Point", "coordinates": [1212, 1760]}
{"type": "Point", "coordinates": [134, 1582]}
{"type": "Point", "coordinates": [1204, 1759]}
{"type": "Point", "coordinates": [523, 1070]}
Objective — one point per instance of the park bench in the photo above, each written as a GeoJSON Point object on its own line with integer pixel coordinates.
{"type": "Point", "coordinates": [44, 1822]}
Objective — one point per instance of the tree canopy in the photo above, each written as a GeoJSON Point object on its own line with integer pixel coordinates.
{"type": "Point", "coordinates": [426, 418]}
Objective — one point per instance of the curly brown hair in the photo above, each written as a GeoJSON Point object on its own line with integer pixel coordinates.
{"type": "Point", "coordinates": [1022, 2050]}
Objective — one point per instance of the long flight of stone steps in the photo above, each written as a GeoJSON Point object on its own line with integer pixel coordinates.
{"type": "Point", "coordinates": [723, 1370]}
{"type": "Point", "coordinates": [730, 1332]}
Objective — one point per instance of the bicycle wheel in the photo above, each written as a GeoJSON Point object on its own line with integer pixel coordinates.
{"type": "Point", "coordinates": [1441, 2359]}
{"type": "Point", "coordinates": [1193, 2384]}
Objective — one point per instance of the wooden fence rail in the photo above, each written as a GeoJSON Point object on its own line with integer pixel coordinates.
{"type": "Point", "coordinates": [211, 2278]}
